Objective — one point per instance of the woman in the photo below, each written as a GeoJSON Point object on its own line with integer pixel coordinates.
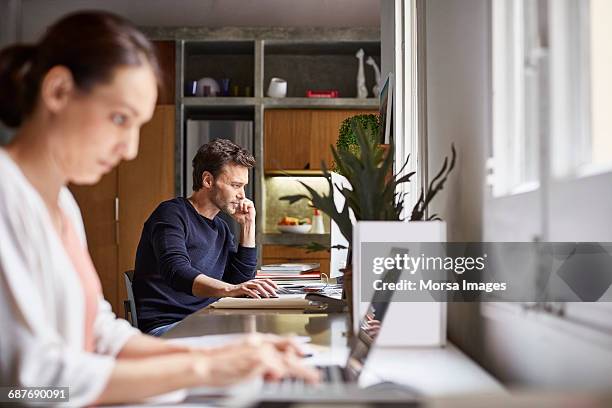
{"type": "Point", "coordinates": [78, 99]}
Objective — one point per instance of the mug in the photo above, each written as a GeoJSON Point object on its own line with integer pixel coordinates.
{"type": "Point", "coordinates": [277, 88]}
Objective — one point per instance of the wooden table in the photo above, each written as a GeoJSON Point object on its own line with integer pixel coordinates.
{"type": "Point", "coordinates": [434, 371]}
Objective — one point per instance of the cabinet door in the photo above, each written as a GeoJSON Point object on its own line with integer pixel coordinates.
{"type": "Point", "coordinates": [272, 254]}
{"type": "Point", "coordinates": [166, 56]}
{"type": "Point", "coordinates": [297, 139]}
{"type": "Point", "coordinates": [143, 183]}
{"type": "Point", "coordinates": [97, 204]}
{"type": "Point", "coordinates": [287, 139]}
{"type": "Point", "coordinates": [325, 128]}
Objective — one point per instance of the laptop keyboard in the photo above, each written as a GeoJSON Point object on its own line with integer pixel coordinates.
{"type": "Point", "coordinates": [329, 373]}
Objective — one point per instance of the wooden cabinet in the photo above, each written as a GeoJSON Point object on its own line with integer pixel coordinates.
{"type": "Point", "coordinates": [166, 56]}
{"type": "Point", "coordinates": [298, 139]}
{"type": "Point", "coordinates": [284, 254]}
{"type": "Point", "coordinates": [142, 184]}
{"type": "Point", "coordinates": [115, 209]}
{"type": "Point", "coordinates": [97, 204]}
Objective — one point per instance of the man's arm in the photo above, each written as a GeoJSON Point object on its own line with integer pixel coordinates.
{"type": "Point", "coordinates": [242, 264]}
{"type": "Point", "coordinates": [168, 237]}
{"type": "Point", "coordinates": [247, 234]}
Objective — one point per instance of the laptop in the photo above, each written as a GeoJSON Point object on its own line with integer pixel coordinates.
{"type": "Point", "coordinates": [340, 383]}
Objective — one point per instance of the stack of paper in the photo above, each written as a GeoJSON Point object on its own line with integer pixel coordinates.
{"type": "Point", "coordinates": [281, 277]}
{"type": "Point", "coordinates": [290, 271]}
{"type": "Point", "coordinates": [290, 268]}
{"type": "Point", "coordinates": [281, 302]}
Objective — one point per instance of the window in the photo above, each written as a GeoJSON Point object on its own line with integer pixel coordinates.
{"type": "Point", "coordinates": [552, 131]}
{"type": "Point", "coordinates": [519, 75]}
{"type": "Point", "coordinates": [552, 91]}
{"type": "Point", "coordinates": [600, 71]}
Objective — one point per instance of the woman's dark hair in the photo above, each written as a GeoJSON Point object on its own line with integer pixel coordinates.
{"type": "Point", "coordinates": [212, 156]}
{"type": "Point", "coordinates": [90, 44]}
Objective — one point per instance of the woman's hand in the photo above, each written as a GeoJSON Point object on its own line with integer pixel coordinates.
{"type": "Point", "coordinates": [268, 356]}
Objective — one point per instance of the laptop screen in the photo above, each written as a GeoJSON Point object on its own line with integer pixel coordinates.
{"type": "Point", "coordinates": [371, 323]}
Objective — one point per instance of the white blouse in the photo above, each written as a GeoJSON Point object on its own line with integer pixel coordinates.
{"type": "Point", "coordinates": [42, 307]}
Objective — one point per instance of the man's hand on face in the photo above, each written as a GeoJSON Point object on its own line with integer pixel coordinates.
{"type": "Point", "coordinates": [245, 212]}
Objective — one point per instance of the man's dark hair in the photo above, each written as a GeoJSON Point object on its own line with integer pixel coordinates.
{"type": "Point", "coordinates": [212, 156]}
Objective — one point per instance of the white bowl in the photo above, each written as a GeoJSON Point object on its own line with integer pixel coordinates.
{"type": "Point", "coordinates": [209, 82]}
{"type": "Point", "coordinates": [295, 229]}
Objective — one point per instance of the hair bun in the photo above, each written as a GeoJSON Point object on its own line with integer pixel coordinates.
{"type": "Point", "coordinates": [14, 65]}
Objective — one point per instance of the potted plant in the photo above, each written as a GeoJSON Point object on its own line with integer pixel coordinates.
{"type": "Point", "coordinates": [373, 194]}
{"type": "Point", "coordinates": [347, 138]}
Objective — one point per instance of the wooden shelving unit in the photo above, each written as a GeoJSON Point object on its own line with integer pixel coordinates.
{"type": "Point", "coordinates": [308, 58]}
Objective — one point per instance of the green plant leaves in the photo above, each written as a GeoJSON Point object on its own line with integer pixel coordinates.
{"type": "Point", "coordinates": [373, 185]}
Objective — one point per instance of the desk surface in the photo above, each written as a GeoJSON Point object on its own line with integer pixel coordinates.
{"type": "Point", "coordinates": [435, 371]}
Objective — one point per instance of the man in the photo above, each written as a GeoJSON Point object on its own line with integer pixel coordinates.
{"type": "Point", "coordinates": [187, 257]}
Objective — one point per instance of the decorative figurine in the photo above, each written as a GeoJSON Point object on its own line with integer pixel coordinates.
{"type": "Point", "coordinates": [362, 91]}
{"type": "Point", "coordinates": [376, 88]}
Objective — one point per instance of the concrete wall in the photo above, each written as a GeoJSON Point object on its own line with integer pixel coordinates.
{"type": "Point", "coordinates": [458, 108]}
{"type": "Point", "coordinates": [521, 348]}
{"type": "Point", "coordinates": [26, 20]}
{"type": "Point", "coordinates": [9, 23]}
{"type": "Point", "coordinates": [37, 14]}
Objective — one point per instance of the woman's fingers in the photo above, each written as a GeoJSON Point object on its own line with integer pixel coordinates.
{"type": "Point", "coordinates": [256, 356]}
{"type": "Point", "coordinates": [295, 368]}
{"type": "Point", "coordinates": [284, 344]}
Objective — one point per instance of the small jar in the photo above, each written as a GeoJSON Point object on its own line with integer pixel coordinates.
{"type": "Point", "coordinates": [317, 222]}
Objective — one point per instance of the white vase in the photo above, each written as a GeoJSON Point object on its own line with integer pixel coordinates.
{"type": "Point", "coordinates": [277, 88]}
{"type": "Point", "coordinates": [376, 88]}
{"type": "Point", "coordinates": [362, 91]}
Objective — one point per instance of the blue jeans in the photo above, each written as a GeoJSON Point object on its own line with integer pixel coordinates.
{"type": "Point", "coordinates": [158, 331]}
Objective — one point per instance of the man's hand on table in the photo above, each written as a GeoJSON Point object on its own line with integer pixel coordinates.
{"type": "Point", "coordinates": [256, 288]}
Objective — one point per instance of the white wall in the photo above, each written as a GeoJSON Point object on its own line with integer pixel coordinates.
{"type": "Point", "coordinates": [38, 14]}
{"type": "Point", "coordinates": [520, 348]}
{"type": "Point", "coordinates": [457, 108]}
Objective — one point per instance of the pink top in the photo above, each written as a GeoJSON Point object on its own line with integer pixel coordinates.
{"type": "Point", "coordinates": [92, 289]}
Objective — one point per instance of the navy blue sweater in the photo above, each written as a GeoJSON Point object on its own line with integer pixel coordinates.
{"type": "Point", "coordinates": [177, 244]}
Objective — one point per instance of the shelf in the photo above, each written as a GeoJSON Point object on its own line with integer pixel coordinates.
{"type": "Point", "coordinates": [191, 101]}
{"type": "Point", "coordinates": [308, 58]}
{"type": "Point", "coordinates": [294, 239]}
{"type": "Point", "coordinates": [293, 173]}
{"type": "Point", "coordinates": [321, 103]}
{"type": "Point", "coordinates": [289, 103]}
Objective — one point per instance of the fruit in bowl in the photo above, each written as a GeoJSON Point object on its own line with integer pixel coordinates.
{"type": "Point", "coordinates": [294, 225]}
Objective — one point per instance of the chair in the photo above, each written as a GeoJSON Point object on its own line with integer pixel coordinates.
{"type": "Point", "coordinates": [129, 305]}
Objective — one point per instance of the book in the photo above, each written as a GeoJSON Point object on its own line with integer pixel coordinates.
{"type": "Point", "coordinates": [281, 302]}
{"type": "Point", "coordinates": [290, 268]}
{"type": "Point", "coordinates": [288, 277]}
